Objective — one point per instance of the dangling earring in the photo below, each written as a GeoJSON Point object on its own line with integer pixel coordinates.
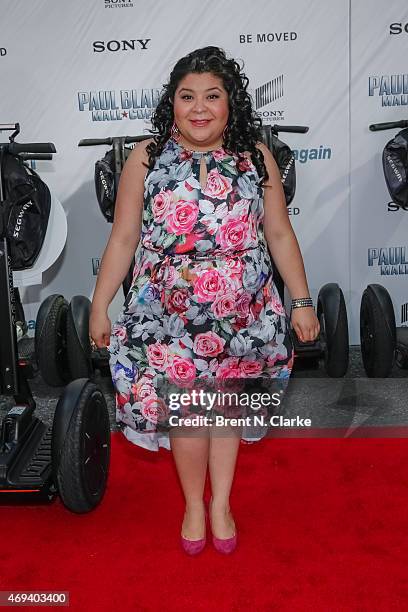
{"type": "Point", "coordinates": [175, 132]}
{"type": "Point", "coordinates": [224, 132]}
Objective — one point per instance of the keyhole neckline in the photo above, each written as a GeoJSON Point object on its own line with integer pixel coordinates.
{"type": "Point", "coordinates": [198, 153]}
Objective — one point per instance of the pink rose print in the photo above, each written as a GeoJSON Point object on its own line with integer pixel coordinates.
{"type": "Point", "coordinates": [218, 186]}
{"type": "Point", "coordinates": [208, 285]}
{"type": "Point", "coordinates": [224, 306]}
{"type": "Point", "coordinates": [161, 204]}
{"type": "Point", "coordinates": [182, 217]}
{"type": "Point", "coordinates": [153, 408]}
{"type": "Point", "coordinates": [252, 231]}
{"type": "Point", "coordinates": [244, 164]}
{"type": "Point", "coordinates": [144, 390]}
{"type": "Point", "coordinates": [232, 234]}
{"type": "Point", "coordinates": [170, 277]}
{"type": "Point", "coordinates": [251, 369]}
{"type": "Point", "coordinates": [181, 370]}
{"type": "Point", "coordinates": [277, 305]}
{"type": "Point", "coordinates": [234, 266]}
{"type": "Point", "coordinates": [229, 368]}
{"type": "Point", "coordinates": [178, 301]}
{"type": "Point", "coordinates": [158, 356]}
{"type": "Point", "coordinates": [242, 304]}
{"type": "Point", "coordinates": [208, 344]}
{"type": "Point", "coordinates": [219, 154]}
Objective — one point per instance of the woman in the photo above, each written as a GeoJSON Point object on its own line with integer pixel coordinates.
{"type": "Point", "coordinates": [205, 196]}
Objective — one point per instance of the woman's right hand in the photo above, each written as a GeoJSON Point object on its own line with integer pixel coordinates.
{"type": "Point", "coordinates": [100, 328]}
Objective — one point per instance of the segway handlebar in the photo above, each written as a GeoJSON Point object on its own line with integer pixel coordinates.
{"type": "Point", "coordinates": [390, 125]}
{"type": "Point", "coordinates": [91, 142]}
{"type": "Point", "coordinates": [31, 147]}
{"type": "Point", "coordinates": [36, 156]}
{"type": "Point", "coordinates": [298, 129]}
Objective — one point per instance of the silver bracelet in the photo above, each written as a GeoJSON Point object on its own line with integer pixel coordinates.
{"type": "Point", "coordinates": [302, 303]}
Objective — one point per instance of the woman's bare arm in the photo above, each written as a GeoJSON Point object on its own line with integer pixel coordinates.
{"type": "Point", "coordinates": [126, 229]}
{"type": "Point", "coordinates": [278, 231]}
{"type": "Point", "coordinates": [285, 249]}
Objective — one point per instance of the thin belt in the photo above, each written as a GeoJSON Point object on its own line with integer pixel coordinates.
{"type": "Point", "coordinates": [168, 258]}
{"type": "Point", "coordinates": [204, 256]}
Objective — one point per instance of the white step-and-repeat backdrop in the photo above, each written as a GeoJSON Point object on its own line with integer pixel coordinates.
{"type": "Point", "coordinates": [94, 68]}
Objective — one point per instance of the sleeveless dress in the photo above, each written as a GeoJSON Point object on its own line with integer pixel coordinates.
{"type": "Point", "coordinates": [203, 306]}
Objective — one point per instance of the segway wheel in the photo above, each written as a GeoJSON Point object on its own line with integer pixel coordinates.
{"type": "Point", "coordinates": [377, 331]}
{"type": "Point", "coordinates": [332, 315]}
{"type": "Point", "coordinates": [81, 446]}
{"type": "Point", "coordinates": [78, 345]}
{"type": "Point", "coordinates": [50, 341]}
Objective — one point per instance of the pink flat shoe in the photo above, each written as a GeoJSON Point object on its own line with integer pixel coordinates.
{"type": "Point", "coordinates": [225, 545]}
{"type": "Point", "coordinates": [194, 547]}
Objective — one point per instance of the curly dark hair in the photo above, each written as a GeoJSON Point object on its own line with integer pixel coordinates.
{"type": "Point", "coordinates": [243, 129]}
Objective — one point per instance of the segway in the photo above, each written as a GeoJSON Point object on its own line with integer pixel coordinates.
{"type": "Point", "coordinates": [37, 462]}
{"type": "Point", "coordinates": [382, 342]}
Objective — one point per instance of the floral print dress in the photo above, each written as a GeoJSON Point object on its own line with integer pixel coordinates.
{"type": "Point", "coordinates": [203, 304]}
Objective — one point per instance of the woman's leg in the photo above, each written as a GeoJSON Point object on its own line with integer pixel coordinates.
{"type": "Point", "coordinates": [221, 462]}
{"type": "Point", "coordinates": [190, 454]}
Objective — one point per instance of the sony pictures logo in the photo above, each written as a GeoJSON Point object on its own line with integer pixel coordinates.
{"type": "Point", "coordinates": [118, 3]}
{"type": "Point", "coordinates": [264, 96]}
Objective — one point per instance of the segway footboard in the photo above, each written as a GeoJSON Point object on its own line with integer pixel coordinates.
{"type": "Point", "coordinates": [25, 458]}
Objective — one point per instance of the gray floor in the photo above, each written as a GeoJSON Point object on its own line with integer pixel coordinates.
{"type": "Point", "coordinates": [354, 402]}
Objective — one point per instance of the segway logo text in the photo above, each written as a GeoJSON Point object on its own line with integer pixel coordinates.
{"type": "Point", "coordinates": [104, 183]}
{"type": "Point", "coordinates": [391, 260]}
{"type": "Point", "coordinates": [394, 168]}
{"type": "Point", "coordinates": [393, 89]}
{"type": "Point", "coordinates": [287, 169]}
{"type": "Point", "coordinates": [20, 218]}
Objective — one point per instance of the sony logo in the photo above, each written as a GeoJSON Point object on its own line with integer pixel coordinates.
{"type": "Point", "coordinates": [120, 45]}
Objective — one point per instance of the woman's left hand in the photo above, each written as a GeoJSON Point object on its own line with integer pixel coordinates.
{"type": "Point", "coordinates": [305, 323]}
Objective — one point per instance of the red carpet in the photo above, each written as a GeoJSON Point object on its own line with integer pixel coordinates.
{"type": "Point", "coordinates": [323, 525]}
